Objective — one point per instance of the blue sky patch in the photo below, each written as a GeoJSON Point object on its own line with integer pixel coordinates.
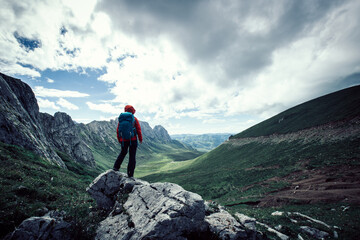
{"type": "Point", "coordinates": [27, 43]}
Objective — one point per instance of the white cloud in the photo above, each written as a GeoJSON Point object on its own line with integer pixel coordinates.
{"type": "Point", "coordinates": [66, 104]}
{"type": "Point", "coordinates": [45, 103]}
{"type": "Point", "coordinates": [194, 59]}
{"type": "Point", "coordinates": [105, 107]}
{"type": "Point", "coordinates": [49, 92]}
{"type": "Point", "coordinates": [49, 80]}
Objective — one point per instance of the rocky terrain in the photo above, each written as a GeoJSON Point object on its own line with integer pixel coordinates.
{"type": "Point", "coordinates": [140, 210]}
{"type": "Point", "coordinates": [19, 119]}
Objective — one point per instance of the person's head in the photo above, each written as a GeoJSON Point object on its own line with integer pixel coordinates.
{"type": "Point", "coordinates": [129, 108]}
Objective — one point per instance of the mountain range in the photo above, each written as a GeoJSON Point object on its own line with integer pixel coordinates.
{"type": "Point", "coordinates": [54, 137]}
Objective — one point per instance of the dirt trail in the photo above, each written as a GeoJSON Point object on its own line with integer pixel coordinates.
{"type": "Point", "coordinates": [326, 185]}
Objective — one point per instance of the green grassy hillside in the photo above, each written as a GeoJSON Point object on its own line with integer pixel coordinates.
{"type": "Point", "coordinates": [29, 184]}
{"type": "Point", "coordinates": [316, 171]}
{"type": "Point", "coordinates": [333, 107]}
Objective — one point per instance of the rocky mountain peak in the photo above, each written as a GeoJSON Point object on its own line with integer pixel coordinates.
{"type": "Point", "coordinates": [19, 119]}
{"type": "Point", "coordinates": [162, 133]}
{"type": "Point", "coordinates": [63, 119]}
{"type": "Point", "coordinates": [22, 124]}
{"type": "Point", "coordinates": [19, 92]}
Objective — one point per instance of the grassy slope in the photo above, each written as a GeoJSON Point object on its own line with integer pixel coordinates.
{"type": "Point", "coordinates": [332, 107]}
{"type": "Point", "coordinates": [29, 183]}
{"type": "Point", "coordinates": [225, 174]}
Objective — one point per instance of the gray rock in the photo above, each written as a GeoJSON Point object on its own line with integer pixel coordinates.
{"type": "Point", "coordinates": [313, 232]}
{"type": "Point", "coordinates": [247, 221]}
{"type": "Point", "coordinates": [161, 133]}
{"type": "Point", "coordinates": [154, 211]}
{"type": "Point", "coordinates": [19, 119]}
{"type": "Point", "coordinates": [147, 131]}
{"type": "Point", "coordinates": [105, 187]}
{"type": "Point", "coordinates": [139, 210]}
{"type": "Point", "coordinates": [23, 125]}
{"type": "Point", "coordinates": [48, 227]}
{"type": "Point", "coordinates": [226, 226]}
{"type": "Point", "coordinates": [65, 135]}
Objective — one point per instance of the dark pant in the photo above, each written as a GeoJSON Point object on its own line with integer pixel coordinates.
{"type": "Point", "coordinates": [125, 146]}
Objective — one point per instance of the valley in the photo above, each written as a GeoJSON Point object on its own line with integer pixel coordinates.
{"type": "Point", "coordinates": [202, 142]}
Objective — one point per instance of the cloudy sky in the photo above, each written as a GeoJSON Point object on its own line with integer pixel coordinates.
{"type": "Point", "coordinates": [193, 66]}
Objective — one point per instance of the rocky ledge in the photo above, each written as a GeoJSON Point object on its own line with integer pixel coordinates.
{"type": "Point", "coordinates": [140, 210]}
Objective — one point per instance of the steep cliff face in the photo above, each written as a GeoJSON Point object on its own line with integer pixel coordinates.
{"type": "Point", "coordinates": [19, 119]}
{"type": "Point", "coordinates": [65, 135]}
{"type": "Point", "coordinates": [161, 133]}
{"type": "Point", "coordinates": [22, 124]}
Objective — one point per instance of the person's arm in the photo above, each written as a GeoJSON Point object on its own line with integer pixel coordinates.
{"type": "Point", "coordinates": [138, 130]}
{"type": "Point", "coordinates": [117, 134]}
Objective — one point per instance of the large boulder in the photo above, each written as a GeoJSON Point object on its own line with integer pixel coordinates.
{"type": "Point", "coordinates": [49, 227]}
{"type": "Point", "coordinates": [140, 210]}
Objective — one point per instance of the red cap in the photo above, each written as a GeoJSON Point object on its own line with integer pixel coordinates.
{"type": "Point", "coordinates": [129, 108]}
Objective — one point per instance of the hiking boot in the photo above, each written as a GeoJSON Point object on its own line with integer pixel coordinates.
{"type": "Point", "coordinates": [116, 170]}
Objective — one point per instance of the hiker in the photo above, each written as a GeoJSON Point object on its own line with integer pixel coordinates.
{"type": "Point", "coordinates": [128, 131]}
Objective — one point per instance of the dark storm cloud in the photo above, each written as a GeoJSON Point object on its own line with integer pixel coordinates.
{"type": "Point", "coordinates": [213, 32]}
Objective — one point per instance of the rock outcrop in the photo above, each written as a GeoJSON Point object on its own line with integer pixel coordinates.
{"type": "Point", "coordinates": [140, 210]}
{"type": "Point", "coordinates": [162, 134]}
{"type": "Point", "coordinates": [22, 124]}
{"type": "Point", "coordinates": [49, 227]}
{"type": "Point", "coordinates": [61, 130]}
{"type": "Point", "coordinates": [19, 119]}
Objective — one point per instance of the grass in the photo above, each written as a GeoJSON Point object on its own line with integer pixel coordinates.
{"type": "Point", "coordinates": [240, 175]}
{"type": "Point", "coordinates": [333, 214]}
{"type": "Point", "coordinates": [29, 183]}
{"type": "Point", "coordinates": [229, 173]}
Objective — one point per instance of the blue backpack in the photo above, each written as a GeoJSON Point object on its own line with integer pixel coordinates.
{"type": "Point", "coordinates": [126, 126]}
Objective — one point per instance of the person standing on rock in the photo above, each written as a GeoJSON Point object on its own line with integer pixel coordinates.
{"type": "Point", "coordinates": [128, 133]}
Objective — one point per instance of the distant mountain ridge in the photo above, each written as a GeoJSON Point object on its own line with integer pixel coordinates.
{"type": "Point", "coordinates": [202, 142]}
